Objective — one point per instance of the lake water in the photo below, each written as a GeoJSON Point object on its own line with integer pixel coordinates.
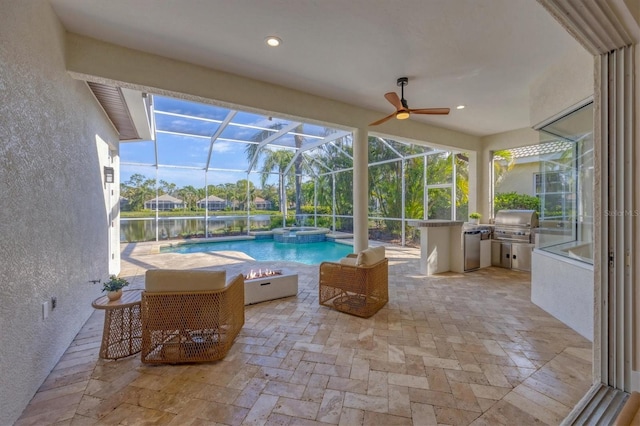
{"type": "Point", "coordinates": [134, 230]}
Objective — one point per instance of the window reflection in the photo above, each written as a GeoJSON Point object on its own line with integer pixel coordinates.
{"type": "Point", "coordinates": [566, 189]}
{"type": "Point", "coordinates": [555, 178]}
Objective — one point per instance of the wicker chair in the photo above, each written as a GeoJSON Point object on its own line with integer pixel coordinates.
{"type": "Point", "coordinates": [358, 284]}
{"type": "Point", "coordinates": [190, 316]}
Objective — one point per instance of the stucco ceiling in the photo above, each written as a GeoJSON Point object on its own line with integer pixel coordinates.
{"type": "Point", "coordinates": [480, 53]}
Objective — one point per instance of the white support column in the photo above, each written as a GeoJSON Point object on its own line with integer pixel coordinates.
{"type": "Point", "coordinates": [454, 186]}
{"type": "Point", "coordinates": [404, 201]}
{"type": "Point", "coordinates": [248, 204]}
{"type": "Point", "coordinates": [157, 202]}
{"type": "Point", "coordinates": [333, 202]}
{"type": "Point", "coordinates": [479, 201]}
{"type": "Point", "coordinates": [206, 205]}
{"type": "Point", "coordinates": [315, 202]}
{"type": "Point", "coordinates": [360, 189]}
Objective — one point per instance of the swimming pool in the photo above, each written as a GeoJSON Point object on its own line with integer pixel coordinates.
{"type": "Point", "coordinates": [308, 253]}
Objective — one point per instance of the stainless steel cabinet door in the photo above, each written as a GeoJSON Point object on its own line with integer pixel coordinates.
{"type": "Point", "coordinates": [521, 256]}
{"type": "Point", "coordinates": [471, 251]}
{"type": "Point", "coordinates": [505, 253]}
{"type": "Point", "coordinates": [501, 254]}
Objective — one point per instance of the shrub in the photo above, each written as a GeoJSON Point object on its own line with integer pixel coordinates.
{"type": "Point", "coordinates": [515, 201]}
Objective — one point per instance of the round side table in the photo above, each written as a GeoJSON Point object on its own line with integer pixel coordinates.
{"type": "Point", "coordinates": [122, 335]}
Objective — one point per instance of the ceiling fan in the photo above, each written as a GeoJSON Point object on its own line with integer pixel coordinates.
{"type": "Point", "coordinates": [402, 109]}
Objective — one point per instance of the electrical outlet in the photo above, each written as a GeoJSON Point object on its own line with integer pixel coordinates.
{"type": "Point", "coordinates": [54, 302]}
{"type": "Point", "coordinates": [45, 310]}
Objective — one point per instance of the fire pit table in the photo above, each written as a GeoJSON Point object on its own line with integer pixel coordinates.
{"type": "Point", "coordinates": [263, 285]}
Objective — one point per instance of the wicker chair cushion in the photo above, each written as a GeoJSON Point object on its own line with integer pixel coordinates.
{"type": "Point", "coordinates": [170, 280]}
{"type": "Point", "coordinates": [370, 256]}
{"type": "Point", "coordinates": [348, 261]}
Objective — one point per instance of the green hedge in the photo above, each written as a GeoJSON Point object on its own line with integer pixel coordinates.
{"type": "Point", "coordinates": [515, 201]}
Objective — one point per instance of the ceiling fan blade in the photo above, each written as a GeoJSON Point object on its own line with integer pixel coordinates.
{"type": "Point", "coordinates": [394, 99]}
{"type": "Point", "coordinates": [382, 120]}
{"type": "Point", "coordinates": [440, 111]}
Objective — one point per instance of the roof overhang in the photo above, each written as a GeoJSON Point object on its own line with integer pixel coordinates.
{"type": "Point", "coordinates": [127, 110]}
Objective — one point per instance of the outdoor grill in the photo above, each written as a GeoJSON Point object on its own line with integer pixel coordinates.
{"type": "Point", "coordinates": [513, 238]}
{"type": "Point", "coordinates": [515, 225]}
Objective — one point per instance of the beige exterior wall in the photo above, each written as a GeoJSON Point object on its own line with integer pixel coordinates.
{"type": "Point", "coordinates": [507, 140]}
{"type": "Point", "coordinates": [54, 140]}
{"type": "Point", "coordinates": [519, 179]}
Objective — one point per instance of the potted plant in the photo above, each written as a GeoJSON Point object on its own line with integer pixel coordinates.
{"type": "Point", "coordinates": [474, 217]}
{"type": "Point", "coordinates": [113, 287]}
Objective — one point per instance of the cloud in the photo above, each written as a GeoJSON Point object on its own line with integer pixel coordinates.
{"type": "Point", "coordinates": [220, 146]}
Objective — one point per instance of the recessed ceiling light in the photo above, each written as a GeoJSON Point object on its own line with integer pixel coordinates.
{"type": "Point", "coordinates": [460, 107]}
{"type": "Point", "coordinates": [273, 41]}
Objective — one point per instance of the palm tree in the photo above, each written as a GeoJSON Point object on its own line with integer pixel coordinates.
{"type": "Point", "coordinates": [229, 192]}
{"type": "Point", "coordinates": [297, 166]}
{"type": "Point", "coordinates": [334, 158]}
{"type": "Point", "coordinates": [167, 188]}
{"type": "Point", "coordinates": [190, 195]}
{"type": "Point", "coordinates": [277, 160]}
{"type": "Point", "coordinates": [270, 193]}
{"type": "Point", "coordinates": [503, 162]}
{"type": "Point", "coordinates": [241, 191]}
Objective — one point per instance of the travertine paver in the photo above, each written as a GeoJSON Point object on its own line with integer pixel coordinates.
{"type": "Point", "coordinates": [452, 349]}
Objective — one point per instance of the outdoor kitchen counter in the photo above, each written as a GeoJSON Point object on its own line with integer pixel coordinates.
{"type": "Point", "coordinates": [440, 246]}
{"type": "Point", "coordinates": [435, 223]}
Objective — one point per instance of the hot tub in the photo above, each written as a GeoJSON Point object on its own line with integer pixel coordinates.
{"type": "Point", "coordinates": [300, 235]}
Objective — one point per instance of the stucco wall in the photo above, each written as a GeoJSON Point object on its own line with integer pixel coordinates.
{"type": "Point", "coordinates": [519, 179]}
{"type": "Point", "coordinates": [53, 141]}
{"type": "Point", "coordinates": [563, 85]}
{"type": "Point", "coordinates": [563, 288]}
{"type": "Point", "coordinates": [507, 140]}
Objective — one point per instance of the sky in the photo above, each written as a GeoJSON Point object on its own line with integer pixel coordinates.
{"type": "Point", "coordinates": [183, 137]}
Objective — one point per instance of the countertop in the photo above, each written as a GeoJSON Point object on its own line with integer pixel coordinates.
{"type": "Point", "coordinates": [435, 223]}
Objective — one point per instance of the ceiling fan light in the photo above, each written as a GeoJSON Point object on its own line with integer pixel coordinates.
{"type": "Point", "coordinates": [402, 115]}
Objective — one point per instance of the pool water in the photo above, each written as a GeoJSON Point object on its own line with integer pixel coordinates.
{"type": "Point", "coordinates": [269, 250]}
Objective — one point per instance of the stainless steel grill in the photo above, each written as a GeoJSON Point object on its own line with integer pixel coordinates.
{"type": "Point", "coordinates": [515, 225]}
{"type": "Point", "coordinates": [513, 239]}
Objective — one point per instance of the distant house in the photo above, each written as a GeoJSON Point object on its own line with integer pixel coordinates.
{"type": "Point", "coordinates": [212, 203]}
{"type": "Point", "coordinates": [165, 202]}
{"type": "Point", "coordinates": [546, 171]}
{"type": "Point", "coordinates": [262, 204]}
{"type": "Point", "coordinates": [533, 170]}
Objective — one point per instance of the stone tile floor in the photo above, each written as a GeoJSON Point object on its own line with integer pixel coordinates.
{"type": "Point", "coordinates": [452, 349]}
